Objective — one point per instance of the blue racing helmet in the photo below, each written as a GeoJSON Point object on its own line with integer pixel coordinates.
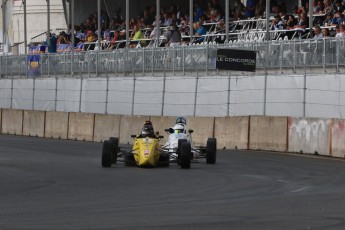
{"type": "Point", "coordinates": [181, 120]}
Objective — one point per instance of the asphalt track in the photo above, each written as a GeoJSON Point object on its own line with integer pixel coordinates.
{"type": "Point", "coordinates": [60, 184]}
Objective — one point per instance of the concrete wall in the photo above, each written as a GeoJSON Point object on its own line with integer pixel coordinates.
{"type": "Point", "coordinates": [338, 138]}
{"type": "Point", "coordinates": [33, 123]}
{"type": "Point", "coordinates": [301, 135]}
{"type": "Point", "coordinates": [81, 126]}
{"type": "Point", "coordinates": [56, 125]}
{"type": "Point", "coordinates": [268, 133]}
{"type": "Point", "coordinates": [231, 132]}
{"type": "Point", "coordinates": [309, 135]}
{"type": "Point", "coordinates": [106, 126]}
{"type": "Point", "coordinates": [12, 122]}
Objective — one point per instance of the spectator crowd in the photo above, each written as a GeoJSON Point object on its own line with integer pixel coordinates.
{"type": "Point", "coordinates": [329, 21]}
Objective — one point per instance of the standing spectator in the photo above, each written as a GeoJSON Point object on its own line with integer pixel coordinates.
{"type": "Point", "coordinates": [52, 44]}
{"type": "Point", "coordinates": [238, 10]}
{"type": "Point", "coordinates": [198, 13]}
{"type": "Point", "coordinates": [173, 36]}
{"type": "Point", "coordinates": [260, 8]}
{"type": "Point", "coordinates": [317, 33]}
{"type": "Point", "coordinates": [179, 13]}
{"type": "Point", "coordinates": [250, 9]}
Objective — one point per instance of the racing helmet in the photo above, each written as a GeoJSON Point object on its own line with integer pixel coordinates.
{"type": "Point", "coordinates": [181, 120]}
{"type": "Point", "coordinates": [179, 128]}
{"type": "Point", "coordinates": [147, 129]}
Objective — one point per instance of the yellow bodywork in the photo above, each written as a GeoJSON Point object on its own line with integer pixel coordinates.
{"type": "Point", "coordinates": [146, 151]}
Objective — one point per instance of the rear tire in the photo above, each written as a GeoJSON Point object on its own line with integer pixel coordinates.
{"type": "Point", "coordinates": [165, 159]}
{"type": "Point", "coordinates": [114, 148]}
{"type": "Point", "coordinates": [179, 144]}
{"type": "Point", "coordinates": [211, 151]}
{"type": "Point", "coordinates": [185, 155]}
{"type": "Point", "coordinates": [107, 156]}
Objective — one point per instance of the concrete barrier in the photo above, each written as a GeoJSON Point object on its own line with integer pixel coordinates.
{"type": "Point", "coordinates": [268, 133]}
{"type": "Point", "coordinates": [106, 126]}
{"type": "Point", "coordinates": [12, 122]}
{"type": "Point", "coordinates": [309, 135]}
{"type": "Point", "coordinates": [203, 129]}
{"type": "Point", "coordinates": [131, 125]}
{"type": "Point", "coordinates": [162, 123]}
{"type": "Point", "coordinates": [338, 138]}
{"type": "Point", "coordinates": [56, 125]}
{"type": "Point", "coordinates": [33, 123]}
{"type": "Point", "coordinates": [81, 126]}
{"type": "Point", "coordinates": [0, 120]}
{"type": "Point", "coordinates": [231, 132]}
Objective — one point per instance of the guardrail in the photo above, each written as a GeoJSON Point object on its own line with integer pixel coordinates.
{"type": "Point", "coordinates": [270, 54]}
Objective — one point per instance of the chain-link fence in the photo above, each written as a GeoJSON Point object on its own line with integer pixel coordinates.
{"type": "Point", "coordinates": [196, 58]}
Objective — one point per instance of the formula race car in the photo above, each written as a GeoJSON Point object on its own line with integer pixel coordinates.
{"type": "Point", "coordinates": [178, 135]}
{"type": "Point", "coordinates": [148, 152]}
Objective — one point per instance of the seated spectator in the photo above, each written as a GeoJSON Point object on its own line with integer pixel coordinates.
{"type": "Point", "coordinates": [326, 33]}
{"type": "Point", "coordinates": [319, 8]}
{"type": "Point", "coordinates": [338, 19]}
{"type": "Point", "coordinates": [341, 32]}
{"type": "Point", "coordinates": [167, 20]}
{"type": "Point", "coordinates": [215, 16]}
{"type": "Point", "coordinates": [328, 20]}
{"type": "Point", "coordinates": [317, 33]}
{"type": "Point", "coordinates": [136, 35]}
{"type": "Point", "coordinates": [113, 42]}
{"type": "Point", "coordinates": [220, 29]}
{"type": "Point", "coordinates": [327, 6]}
{"type": "Point", "coordinates": [200, 31]}
{"type": "Point", "coordinates": [338, 6]}
{"type": "Point", "coordinates": [90, 37]}
{"type": "Point", "coordinates": [277, 23]}
{"type": "Point", "coordinates": [291, 22]}
{"type": "Point", "coordinates": [303, 21]}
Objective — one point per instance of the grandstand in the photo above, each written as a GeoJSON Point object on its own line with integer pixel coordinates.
{"type": "Point", "coordinates": [304, 60]}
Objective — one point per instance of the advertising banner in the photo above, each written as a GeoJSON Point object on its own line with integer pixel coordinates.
{"type": "Point", "coordinates": [240, 60]}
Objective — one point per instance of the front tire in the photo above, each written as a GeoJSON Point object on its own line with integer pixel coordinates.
{"type": "Point", "coordinates": [185, 155]}
{"type": "Point", "coordinates": [211, 151]}
{"type": "Point", "coordinates": [107, 156]}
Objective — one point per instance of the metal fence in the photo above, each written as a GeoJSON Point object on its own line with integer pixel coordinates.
{"type": "Point", "coordinates": [291, 54]}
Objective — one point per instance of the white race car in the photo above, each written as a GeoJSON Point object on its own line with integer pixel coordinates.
{"type": "Point", "coordinates": [180, 140]}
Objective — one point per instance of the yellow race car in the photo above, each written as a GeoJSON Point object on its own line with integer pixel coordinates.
{"type": "Point", "coordinates": [146, 152]}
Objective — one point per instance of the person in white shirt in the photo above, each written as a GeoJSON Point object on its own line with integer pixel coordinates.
{"type": "Point", "coordinates": [317, 33]}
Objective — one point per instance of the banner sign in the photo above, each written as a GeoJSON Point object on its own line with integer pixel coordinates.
{"type": "Point", "coordinates": [241, 60]}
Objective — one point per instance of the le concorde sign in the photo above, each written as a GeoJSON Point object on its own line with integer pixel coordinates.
{"type": "Point", "coordinates": [240, 60]}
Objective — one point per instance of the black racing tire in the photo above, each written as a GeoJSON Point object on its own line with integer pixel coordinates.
{"type": "Point", "coordinates": [179, 143]}
{"type": "Point", "coordinates": [186, 155]}
{"type": "Point", "coordinates": [114, 148]}
{"type": "Point", "coordinates": [107, 156]}
{"type": "Point", "coordinates": [211, 151]}
{"type": "Point", "coordinates": [129, 160]}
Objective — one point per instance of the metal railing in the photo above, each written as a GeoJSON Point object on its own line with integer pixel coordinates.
{"type": "Point", "coordinates": [290, 54]}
